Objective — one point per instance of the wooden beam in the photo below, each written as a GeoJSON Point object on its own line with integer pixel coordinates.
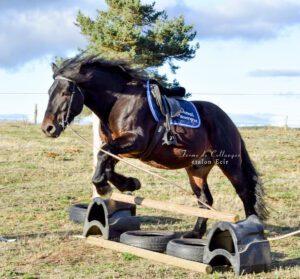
{"type": "Point", "coordinates": [150, 255]}
{"type": "Point", "coordinates": [176, 208]}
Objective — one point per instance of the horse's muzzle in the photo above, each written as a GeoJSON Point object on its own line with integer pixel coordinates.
{"type": "Point", "coordinates": [50, 131]}
{"type": "Point", "coordinates": [50, 128]}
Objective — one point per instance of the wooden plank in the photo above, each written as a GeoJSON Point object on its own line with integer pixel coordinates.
{"type": "Point", "coordinates": [150, 255]}
{"type": "Point", "coordinates": [176, 208]}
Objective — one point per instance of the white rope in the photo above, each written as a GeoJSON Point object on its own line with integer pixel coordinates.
{"type": "Point", "coordinates": [270, 239]}
{"type": "Point", "coordinates": [283, 236]}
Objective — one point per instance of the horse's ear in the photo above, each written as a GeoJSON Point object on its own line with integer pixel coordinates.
{"type": "Point", "coordinates": [54, 67]}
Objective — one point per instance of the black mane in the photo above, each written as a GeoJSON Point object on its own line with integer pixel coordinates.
{"type": "Point", "coordinates": [72, 67]}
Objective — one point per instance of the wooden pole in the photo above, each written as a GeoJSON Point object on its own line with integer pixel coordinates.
{"type": "Point", "coordinates": [176, 208]}
{"type": "Point", "coordinates": [96, 146]}
{"type": "Point", "coordinates": [286, 122]}
{"type": "Point", "coordinates": [35, 114]}
{"type": "Point", "coordinates": [150, 255]}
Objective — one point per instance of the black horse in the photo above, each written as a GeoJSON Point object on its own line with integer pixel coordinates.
{"type": "Point", "coordinates": [117, 95]}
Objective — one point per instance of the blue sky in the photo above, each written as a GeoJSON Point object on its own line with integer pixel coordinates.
{"type": "Point", "coordinates": [246, 47]}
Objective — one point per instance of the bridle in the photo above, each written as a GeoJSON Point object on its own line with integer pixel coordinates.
{"type": "Point", "coordinates": [65, 121]}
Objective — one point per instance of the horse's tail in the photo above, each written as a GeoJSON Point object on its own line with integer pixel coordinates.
{"type": "Point", "coordinates": [254, 183]}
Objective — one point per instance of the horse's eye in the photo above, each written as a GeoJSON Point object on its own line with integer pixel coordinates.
{"type": "Point", "coordinates": [66, 93]}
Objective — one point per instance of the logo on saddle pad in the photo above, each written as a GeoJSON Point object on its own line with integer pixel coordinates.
{"type": "Point", "coordinates": [182, 113]}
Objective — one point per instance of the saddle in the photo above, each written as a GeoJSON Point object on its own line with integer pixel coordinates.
{"type": "Point", "coordinates": [174, 92]}
{"type": "Point", "coordinates": [169, 108]}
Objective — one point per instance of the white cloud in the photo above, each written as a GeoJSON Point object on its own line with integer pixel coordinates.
{"type": "Point", "coordinates": [247, 19]}
{"type": "Point", "coordinates": [31, 29]}
{"type": "Point", "coordinates": [35, 29]}
{"type": "Point", "coordinates": [275, 73]}
{"type": "Point", "coordinates": [35, 33]}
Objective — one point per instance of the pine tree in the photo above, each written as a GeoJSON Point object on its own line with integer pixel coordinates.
{"type": "Point", "coordinates": [139, 34]}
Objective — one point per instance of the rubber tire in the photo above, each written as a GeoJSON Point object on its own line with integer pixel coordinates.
{"type": "Point", "coordinates": [77, 212]}
{"type": "Point", "coordinates": [187, 248]}
{"type": "Point", "coordinates": [150, 240]}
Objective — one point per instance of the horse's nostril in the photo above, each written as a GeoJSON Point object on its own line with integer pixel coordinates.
{"type": "Point", "coordinates": [50, 129]}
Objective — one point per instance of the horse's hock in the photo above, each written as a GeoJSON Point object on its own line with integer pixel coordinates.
{"type": "Point", "coordinates": [241, 245]}
{"type": "Point", "coordinates": [110, 218]}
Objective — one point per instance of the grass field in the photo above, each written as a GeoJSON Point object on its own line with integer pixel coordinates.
{"type": "Point", "coordinates": [41, 177]}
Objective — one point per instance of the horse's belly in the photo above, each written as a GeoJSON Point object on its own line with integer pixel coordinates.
{"type": "Point", "coordinates": [192, 144]}
{"type": "Point", "coordinates": [172, 158]}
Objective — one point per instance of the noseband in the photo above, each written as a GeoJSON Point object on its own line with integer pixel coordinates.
{"type": "Point", "coordinates": [65, 121]}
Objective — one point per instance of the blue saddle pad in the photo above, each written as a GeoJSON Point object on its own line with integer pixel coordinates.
{"type": "Point", "coordinates": [188, 116]}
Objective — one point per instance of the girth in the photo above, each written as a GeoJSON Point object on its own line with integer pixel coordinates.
{"type": "Point", "coordinates": [158, 134]}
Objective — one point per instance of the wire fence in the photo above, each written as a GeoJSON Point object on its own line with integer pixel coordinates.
{"type": "Point", "coordinates": [197, 93]}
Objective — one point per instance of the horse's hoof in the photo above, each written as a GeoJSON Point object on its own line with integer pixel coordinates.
{"type": "Point", "coordinates": [105, 192]}
{"type": "Point", "coordinates": [136, 183]}
{"type": "Point", "coordinates": [192, 234]}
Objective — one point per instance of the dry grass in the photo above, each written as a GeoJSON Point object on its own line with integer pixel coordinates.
{"type": "Point", "coordinates": [41, 177]}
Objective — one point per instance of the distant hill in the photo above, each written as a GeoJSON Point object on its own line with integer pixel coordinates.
{"type": "Point", "coordinates": [13, 117]}
{"type": "Point", "coordinates": [263, 119]}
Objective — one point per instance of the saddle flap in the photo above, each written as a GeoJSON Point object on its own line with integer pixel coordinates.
{"type": "Point", "coordinates": [174, 106]}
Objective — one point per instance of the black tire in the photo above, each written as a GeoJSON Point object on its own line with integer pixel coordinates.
{"type": "Point", "coordinates": [151, 240]}
{"type": "Point", "coordinates": [77, 212]}
{"type": "Point", "coordinates": [187, 248]}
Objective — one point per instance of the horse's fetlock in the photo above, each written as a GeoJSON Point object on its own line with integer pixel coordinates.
{"type": "Point", "coordinates": [99, 180]}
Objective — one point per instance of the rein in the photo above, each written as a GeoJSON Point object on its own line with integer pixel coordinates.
{"type": "Point", "coordinates": [65, 121]}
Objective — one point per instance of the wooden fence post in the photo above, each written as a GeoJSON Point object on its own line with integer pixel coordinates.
{"type": "Point", "coordinates": [96, 146]}
{"type": "Point", "coordinates": [35, 114]}
{"type": "Point", "coordinates": [286, 122]}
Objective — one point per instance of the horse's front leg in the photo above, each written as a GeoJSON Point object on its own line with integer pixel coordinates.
{"type": "Point", "coordinates": [122, 182]}
{"type": "Point", "coordinates": [104, 171]}
{"type": "Point", "coordinates": [100, 179]}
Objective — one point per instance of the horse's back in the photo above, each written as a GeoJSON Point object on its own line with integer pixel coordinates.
{"type": "Point", "coordinates": [213, 115]}
{"type": "Point", "coordinates": [222, 132]}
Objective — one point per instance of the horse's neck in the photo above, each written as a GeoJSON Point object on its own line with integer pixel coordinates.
{"type": "Point", "coordinates": [103, 92]}
{"type": "Point", "coordinates": [100, 103]}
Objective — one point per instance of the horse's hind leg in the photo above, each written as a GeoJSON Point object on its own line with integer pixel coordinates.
{"type": "Point", "coordinates": [198, 180]}
{"type": "Point", "coordinates": [122, 182]}
{"type": "Point", "coordinates": [249, 190]}
{"type": "Point", "coordinates": [245, 179]}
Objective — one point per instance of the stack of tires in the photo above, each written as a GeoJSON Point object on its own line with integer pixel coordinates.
{"type": "Point", "coordinates": [164, 241]}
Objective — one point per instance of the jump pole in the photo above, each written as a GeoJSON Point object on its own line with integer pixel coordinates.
{"type": "Point", "coordinates": [177, 208]}
{"type": "Point", "coordinates": [150, 255]}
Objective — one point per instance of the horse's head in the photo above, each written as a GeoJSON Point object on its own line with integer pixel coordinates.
{"type": "Point", "coordinates": [66, 101]}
